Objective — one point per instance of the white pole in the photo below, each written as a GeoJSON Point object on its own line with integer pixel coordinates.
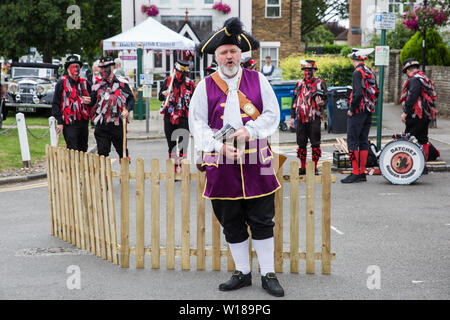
{"type": "Point", "coordinates": [171, 60]}
{"type": "Point", "coordinates": [201, 68]}
{"type": "Point", "coordinates": [23, 139]}
{"type": "Point", "coordinates": [52, 126]}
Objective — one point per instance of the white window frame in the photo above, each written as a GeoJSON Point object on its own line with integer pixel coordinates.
{"type": "Point", "coordinates": [272, 6]}
{"type": "Point", "coordinates": [269, 45]}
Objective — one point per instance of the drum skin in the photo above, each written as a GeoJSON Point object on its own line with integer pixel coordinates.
{"type": "Point", "coordinates": [402, 161]}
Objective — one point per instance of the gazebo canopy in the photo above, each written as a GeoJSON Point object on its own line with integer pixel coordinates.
{"type": "Point", "coordinates": [152, 34]}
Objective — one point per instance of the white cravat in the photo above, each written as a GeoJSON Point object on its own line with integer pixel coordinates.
{"type": "Point", "coordinates": [232, 112]}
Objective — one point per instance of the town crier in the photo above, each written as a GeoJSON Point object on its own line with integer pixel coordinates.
{"type": "Point", "coordinates": [241, 180]}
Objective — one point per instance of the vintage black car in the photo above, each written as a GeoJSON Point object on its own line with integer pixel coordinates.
{"type": "Point", "coordinates": [31, 87]}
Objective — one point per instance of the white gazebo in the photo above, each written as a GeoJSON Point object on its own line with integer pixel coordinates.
{"type": "Point", "coordinates": [153, 36]}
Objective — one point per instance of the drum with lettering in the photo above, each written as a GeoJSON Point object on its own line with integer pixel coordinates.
{"type": "Point", "coordinates": [402, 161]}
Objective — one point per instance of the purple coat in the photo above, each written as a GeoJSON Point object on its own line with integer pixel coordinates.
{"type": "Point", "coordinates": [251, 176]}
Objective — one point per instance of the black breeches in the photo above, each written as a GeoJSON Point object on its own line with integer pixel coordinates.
{"type": "Point", "coordinates": [235, 215]}
{"type": "Point", "coordinates": [105, 134]}
{"type": "Point", "coordinates": [308, 130]}
{"type": "Point", "coordinates": [177, 133]}
{"type": "Point", "coordinates": [76, 135]}
{"type": "Point", "coordinates": [358, 127]}
{"type": "Point", "coordinates": [418, 128]}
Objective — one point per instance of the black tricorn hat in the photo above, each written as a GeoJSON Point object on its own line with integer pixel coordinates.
{"type": "Point", "coordinates": [308, 64]}
{"type": "Point", "coordinates": [231, 33]}
{"type": "Point", "coordinates": [106, 61]}
{"type": "Point", "coordinates": [409, 63]}
{"type": "Point", "coordinates": [71, 60]}
{"type": "Point", "coordinates": [182, 66]}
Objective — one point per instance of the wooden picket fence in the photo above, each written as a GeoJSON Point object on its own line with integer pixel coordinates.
{"type": "Point", "coordinates": [82, 208]}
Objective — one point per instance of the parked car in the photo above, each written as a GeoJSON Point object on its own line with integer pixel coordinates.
{"type": "Point", "coordinates": [31, 87]}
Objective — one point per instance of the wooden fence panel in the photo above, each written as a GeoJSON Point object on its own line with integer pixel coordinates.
{"type": "Point", "coordinates": [310, 197]}
{"type": "Point", "coordinates": [155, 214]}
{"type": "Point", "coordinates": [278, 232]}
{"type": "Point", "coordinates": [326, 218]}
{"type": "Point", "coordinates": [294, 222]}
{"type": "Point", "coordinates": [185, 215]}
{"type": "Point", "coordinates": [112, 210]}
{"type": "Point", "coordinates": [140, 213]}
{"type": "Point", "coordinates": [106, 220]}
{"type": "Point", "coordinates": [201, 252]}
{"type": "Point", "coordinates": [125, 213]}
{"type": "Point", "coordinates": [170, 215]}
{"type": "Point", "coordinates": [73, 179]}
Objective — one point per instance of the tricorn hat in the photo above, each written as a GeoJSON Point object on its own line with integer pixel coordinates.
{"type": "Point", "coordinates": [308, 64]}
{"type": "Point", "coordinates": [409, 63]}
{"type": "Point", "coordinates": [231, 33]}
{"type": "Point", "coordinates": [106, 61]}
{"type": "Point", "coordinates": [360, 54]}
{"type": "Point", "coordinates": [71, 60]}
{"type": "Point", "coordinates": [182, 66]}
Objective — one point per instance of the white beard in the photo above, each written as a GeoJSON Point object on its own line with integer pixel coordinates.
{"type": "Point", "coordinates": [229, 72]}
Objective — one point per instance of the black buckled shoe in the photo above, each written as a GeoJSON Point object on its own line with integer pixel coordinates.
{"type": "Point", "coordinates": [238, 280]}
{"type": "Point", "coordinates": [302, 171]}
{"type": "Point", "coordinates": [271, 285]}
{"type": "Point", "coordinates": [351, 178]}
{"type": "Point", "coordinates": [362, 177]}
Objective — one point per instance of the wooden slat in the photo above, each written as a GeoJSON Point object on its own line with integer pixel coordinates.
{"type": "Point", "coordinates": [54, 191]}
{"type": "Point", "coordinates": [140, 213]}
{"type": "Point", "coordinates": [185, 215]}
{"type": "Point", "coordinates": [215, 225]}
{"type": "Point", "coordinates": [112, 210]}
{"type": "Point", "coordinates": [201, 221]}
{"type": "Point", "coordinates": [310, 196]}
{"type": "Point", "coordinates": [84, 201]}
{"type": "Point", "coordinates": [90, 215]}
{"type": "Point", "coordinates": [106, 220]}
{"type": "Point", "coordinates": [65, 202]}
{"type": "Point", "coordinates": [49, 186]}
{"type": "Point", "coordinates": [278, 232]}
{"type": "Point", "coordinates": [294, 221]}
{"type": "Point", "coordinates": [80, 206]}
{"type": "Point", "coordinates": [125, 213]}
{"type": "Point", "coordinates": [92, 169]}
{"type": "Point", "coordinates": [326, 217]}
{"type": "Point", "coordinates": [170, 214]}
{"type": "Point", "coordinates": [100, 213]}
{"type": "Point", "coordinates": [70, 196]}
{"type": "Point", "coordinates": [75, 194]}
{"type": "Point", "coordinates": [155, 214]}
{"type": "Point", "coordinates": [58, 192]}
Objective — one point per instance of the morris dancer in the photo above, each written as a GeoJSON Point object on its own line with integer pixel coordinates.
{"type": "Point", "coordinates": [176, 112]}
{"type": "Point", "coordinates": [112, 100]}
{"type": "Point", "coordinates": [70, 106]}
{"type": "Point", "coordinates": [310, 96]}
{"type": "Point", "coordinates": [240, 182]}
{"type": "Point", "coordinates": [418, 99]}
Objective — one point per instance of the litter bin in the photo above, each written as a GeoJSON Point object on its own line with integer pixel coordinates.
{"type": "Point", "coordinates": [284, 91]}
{"type": "Point", "coordinates": [337, 108]}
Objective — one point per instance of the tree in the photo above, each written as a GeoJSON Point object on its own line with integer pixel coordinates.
{"type": "Point", "coordinates": [317, 12]}
{"type": "Point", "coordinates": [437, 51]}
{"type": "Point", "coordinates": [44, 24]}
{"type": "Point", "coordinates": [319, 35]}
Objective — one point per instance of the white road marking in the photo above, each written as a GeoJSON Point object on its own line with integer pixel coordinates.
{"type": "Point", "coordinates": [26, 187]}
{"type": "Point", "coordinates": [337, 231]}
{"type": "Point", "coordinates": [416, 281]}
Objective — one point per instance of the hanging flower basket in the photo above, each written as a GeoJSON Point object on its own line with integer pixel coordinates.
{"type": "Point", "coordinates": [424, 17]}
{"type": "Point", "coordinates": [224, 8]}
{"type": "Point", "coordinates": [151, 10]}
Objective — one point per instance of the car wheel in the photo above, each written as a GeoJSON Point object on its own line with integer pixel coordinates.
{"type": "Point", "coordinates": [283, 126]}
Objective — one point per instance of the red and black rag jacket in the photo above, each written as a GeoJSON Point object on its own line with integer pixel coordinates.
{"type": "Point", "coordinates": [418, 96]}
{"type": "Point", "coordinates": [109, 99]}
{"type": "Point", "coordinates": [304, 107]}
{"type": "Point", "coordinates": [180, 98]}
{"type": "Point", "coordinates": [365, 90]}
{"type": "Point", "coordinates": [67, 105]}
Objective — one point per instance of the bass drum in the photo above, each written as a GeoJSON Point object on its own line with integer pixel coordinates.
{"type": "Point", "coordinates": [402, 162]}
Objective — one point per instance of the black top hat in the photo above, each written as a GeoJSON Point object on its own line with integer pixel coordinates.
{"type": "Point", "coordinates": [71, 60]}
{"type": "Point", "coordinates": [308, 64]}
{"type": "Point", "coordinates": [106, 61]}
{"type": "Point", "coordinates": [409, 63]}
{"type": "Point", "coordinates": [231, 33]}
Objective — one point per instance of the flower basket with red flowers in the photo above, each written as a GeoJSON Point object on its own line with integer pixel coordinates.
{"type": "Point", "coordinates": [224, 8]}
{"type": "Point", "coordinates": [422, 18]}
{"type": "Point", "coordinates": [151, 10]}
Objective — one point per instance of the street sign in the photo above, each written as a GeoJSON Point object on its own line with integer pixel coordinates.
{"type": "Point", "coordinates": [146, 79]}
{"type": "Point", "coordinates": [385, 21]}
{"type": "Point", "coordinates": [146, 91]}
{"type": "Point", "coordinates": [382, 55]}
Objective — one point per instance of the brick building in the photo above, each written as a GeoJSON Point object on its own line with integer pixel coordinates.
{"type": "Point", "coordinates": [276, 24]}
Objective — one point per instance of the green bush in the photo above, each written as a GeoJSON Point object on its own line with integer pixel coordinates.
{"type": "Point", "coordinates": [336, 71]}
{"type": "Point", "coordinates": [345, 51]}
{"type": "Point", "coordinates": [437, 53]}
{"type": "Point", "coordinates": [332, 48]}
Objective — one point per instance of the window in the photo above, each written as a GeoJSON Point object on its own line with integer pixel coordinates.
{"type": "Point", "coordinates": [273, 8]}
{"type": "Point", "coordinates": [209, 1]}
{"type": "Point", "coordinates": [272, 52]}
{"type": "Point", "coordinates": [397, 6]}
{"type": "Point", "coordinates": [164, 2]}
{"type": "Point", "coordinates": [158, 55]}
{"type": "Point", "coordinates": [186, 1]}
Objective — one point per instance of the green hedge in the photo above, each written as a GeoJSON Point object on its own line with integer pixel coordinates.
{"type": "Point", "coordinates": [336, 71]}
{"type": "Point", "coordinates": [437, 52]}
